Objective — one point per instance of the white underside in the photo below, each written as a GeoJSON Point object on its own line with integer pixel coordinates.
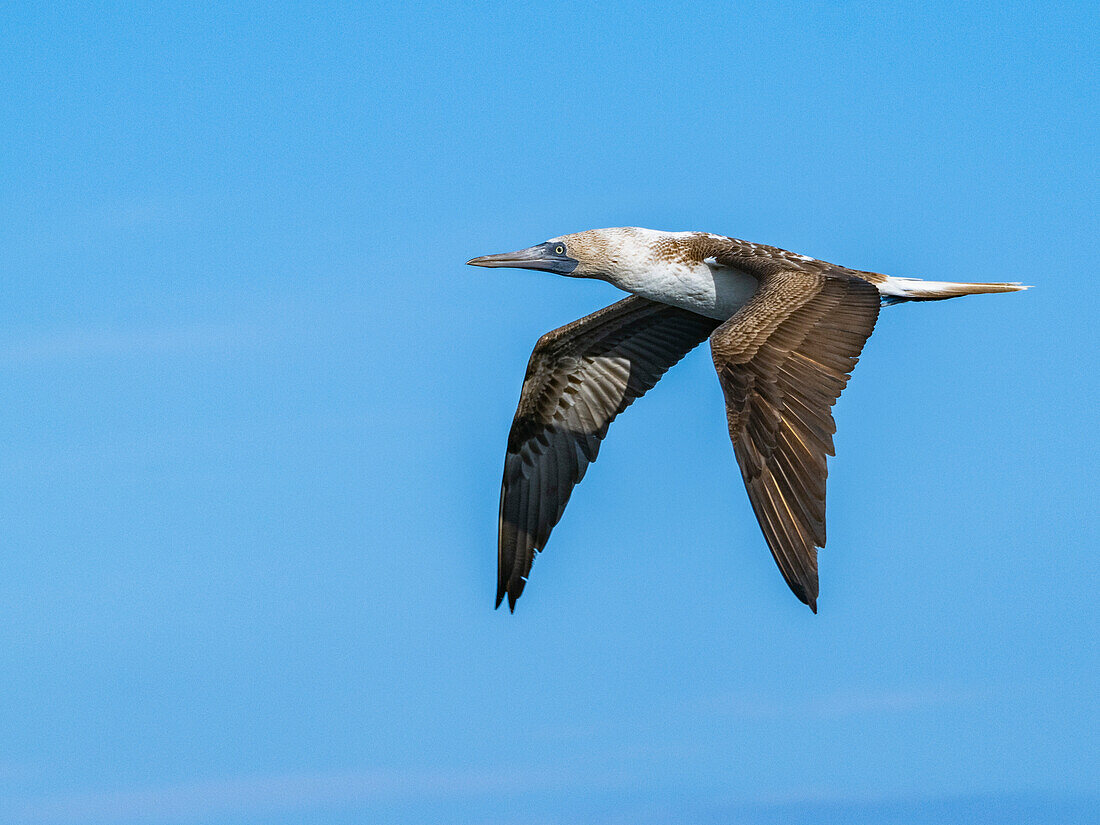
{"type": "Point", "coordinates": [719, 291]}
{"type": "Point", "coordinates": [711, 290]}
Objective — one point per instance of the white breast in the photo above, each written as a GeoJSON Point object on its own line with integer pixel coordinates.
{"type": "Point", "coordinates": [705, 288]}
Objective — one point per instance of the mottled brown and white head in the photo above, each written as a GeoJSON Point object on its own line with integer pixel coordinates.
{"type": "Point", "coordinates": [596, 253]}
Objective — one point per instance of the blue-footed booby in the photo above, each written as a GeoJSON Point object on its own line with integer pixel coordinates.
{"type": "Point", "coordinates": [785, 332]}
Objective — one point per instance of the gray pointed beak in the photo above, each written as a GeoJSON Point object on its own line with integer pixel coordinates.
{"type": "Point", "coordinates": [535, 257]}
{"type": "Point", "coordinates": [522, 258]}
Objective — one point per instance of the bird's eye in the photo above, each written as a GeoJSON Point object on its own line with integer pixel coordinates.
{"type": "Point", "coordinates": [559, 249]}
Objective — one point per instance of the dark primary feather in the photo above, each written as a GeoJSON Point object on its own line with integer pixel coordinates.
{"type": "Point", "coordinates": [783, 360]}
{"type": "Point", "coordinates": [578, 379]}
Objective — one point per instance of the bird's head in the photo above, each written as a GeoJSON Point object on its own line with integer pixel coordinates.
{"type": "Point", "coordinates": [596, 253]}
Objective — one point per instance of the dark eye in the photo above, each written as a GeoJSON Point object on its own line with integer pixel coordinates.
{"type": "Point", "coordinates": [559, 250]}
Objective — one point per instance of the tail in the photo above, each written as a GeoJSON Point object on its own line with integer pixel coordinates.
{"type": "Point", "coordinates": [898, 290]}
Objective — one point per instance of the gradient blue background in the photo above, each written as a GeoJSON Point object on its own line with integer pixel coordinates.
{"type": "Point", "coordinates": [255, 409]}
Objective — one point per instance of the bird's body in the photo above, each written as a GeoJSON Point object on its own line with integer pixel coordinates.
{"type": "Point", "coordinates": [785, 331]}
{"type": "Point", "coordinates": [678, 273]}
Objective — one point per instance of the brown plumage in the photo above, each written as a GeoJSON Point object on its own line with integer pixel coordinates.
{"type": "Point", "coordinates": [783, 361]}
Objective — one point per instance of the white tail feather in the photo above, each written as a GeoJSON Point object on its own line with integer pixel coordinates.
{"type": "Point", "coordinates": [895, 290]}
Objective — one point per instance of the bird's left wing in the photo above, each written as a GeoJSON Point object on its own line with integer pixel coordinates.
{"type": "Point", "coordinates": [578, 379]}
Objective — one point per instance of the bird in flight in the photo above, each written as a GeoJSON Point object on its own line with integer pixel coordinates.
{"type": "Point", "coordinates": [785, 332]}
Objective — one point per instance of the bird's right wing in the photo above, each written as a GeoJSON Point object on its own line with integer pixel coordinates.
{"type": "Point", "coordinates": [783, 360]}
{"type": "Point", "coordinates": [578, 379]}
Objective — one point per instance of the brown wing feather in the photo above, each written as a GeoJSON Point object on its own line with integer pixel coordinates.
{"type": "Point", "coordinates": [578, 379]}
{"type": "Point", "coordinates": [783, 359]}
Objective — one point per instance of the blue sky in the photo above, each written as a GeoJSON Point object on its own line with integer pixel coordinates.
{"type": "Point", "coordinates": [256, 407]}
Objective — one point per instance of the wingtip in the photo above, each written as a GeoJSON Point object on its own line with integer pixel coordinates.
{"type": "Point", "coordinates": [805, 595]}
{"type": "Point", "coordinates": [501, 593]}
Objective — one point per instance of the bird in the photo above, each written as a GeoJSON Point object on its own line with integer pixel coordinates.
{"type": "Point", "coordinates": [785, 332]}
